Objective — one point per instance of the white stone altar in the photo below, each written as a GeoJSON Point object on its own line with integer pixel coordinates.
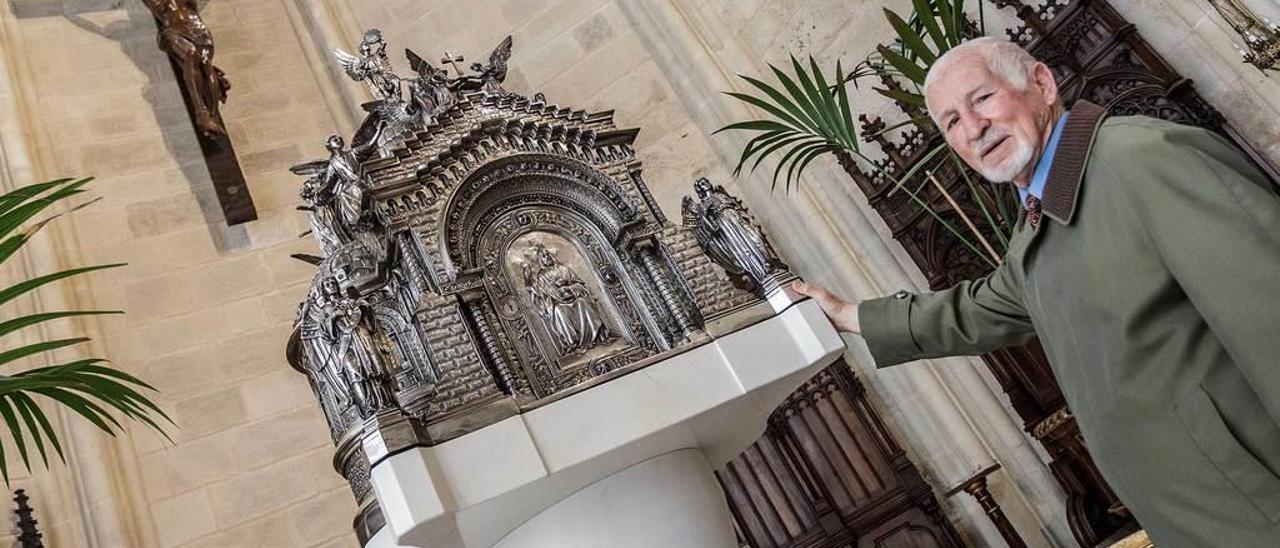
{"type": "Point", "coordinates": [625, 463]}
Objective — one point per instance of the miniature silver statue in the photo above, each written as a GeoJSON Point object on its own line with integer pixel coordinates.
{"type": "Point", "coordinates": [318, 203]}
{"type": "Point", "coordinates": [341, 174]}
{"type": "Point", "coordinates": [563, 302]}
{"type": "Point", "coordinates": [352, 360]}
{"type": "Point", "coordinates": [728, 234]}
{"type": "Point", "coordinates": [489, 78]}
{"type": "Point", "coordinates": [372, 66]}
{"type": "Point", "coordinates": [429, 92]}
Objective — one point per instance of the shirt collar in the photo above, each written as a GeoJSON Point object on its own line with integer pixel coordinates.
{"type": "Point", "coordinates": [1041, 175]}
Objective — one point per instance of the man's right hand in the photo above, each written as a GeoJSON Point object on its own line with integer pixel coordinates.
{"type": "Point", "coordinates": [843, 314]}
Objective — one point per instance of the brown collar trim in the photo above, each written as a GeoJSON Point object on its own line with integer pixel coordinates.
{"type": "Point", "coordinates": [1070, 159]}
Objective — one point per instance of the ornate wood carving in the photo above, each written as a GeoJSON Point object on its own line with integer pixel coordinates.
{"type": "Point", "coordinates": [1096, 55]}
{"type": "Point", "coordinates": [827, 473]}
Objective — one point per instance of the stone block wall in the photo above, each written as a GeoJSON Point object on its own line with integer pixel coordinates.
{"type": "Point", "coordinates": [208, 306]}
{"type": "Point", "coordinates": [84, 91]}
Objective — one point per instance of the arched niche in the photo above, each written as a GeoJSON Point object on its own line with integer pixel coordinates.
{"type": "Point", "coordinates": [505, 183]}
{"type": "Point", "coordinates": [603, 283]}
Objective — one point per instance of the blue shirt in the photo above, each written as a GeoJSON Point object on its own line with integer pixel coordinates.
{"type": "Point", "coordinates": [1041, 175]}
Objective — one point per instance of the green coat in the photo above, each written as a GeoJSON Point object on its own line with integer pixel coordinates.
{"type": "Point", "coordinates": [1154, 281]}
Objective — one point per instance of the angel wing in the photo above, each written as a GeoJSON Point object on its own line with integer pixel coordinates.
{"type": "Point", "coordinates": [352, 64]}
{"type": "Point", "coordinates": [497, 68]}
{"type": "Point", "coordinates": [419, 65]}
{"type": "Point", "coordinates": [313, 167]}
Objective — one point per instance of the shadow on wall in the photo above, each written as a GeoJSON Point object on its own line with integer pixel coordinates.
{"type": "Point", "coordinates": [136, 34]}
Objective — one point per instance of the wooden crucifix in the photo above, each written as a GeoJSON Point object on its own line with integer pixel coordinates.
{"type": "Point", "coordinates": [185, 38]}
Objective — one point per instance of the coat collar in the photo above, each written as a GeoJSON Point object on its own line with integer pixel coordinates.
{"type": "Point", "coordinates": [1070, 159]}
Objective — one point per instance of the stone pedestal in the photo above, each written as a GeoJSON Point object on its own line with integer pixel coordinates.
{"type": "Point", "coordinates": [669, 500]}
{"type": "Point", "coordinates": [627, 459]}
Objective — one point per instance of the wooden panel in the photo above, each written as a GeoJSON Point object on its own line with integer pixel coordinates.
{"type": "Point", "coordinates": [826, 473]}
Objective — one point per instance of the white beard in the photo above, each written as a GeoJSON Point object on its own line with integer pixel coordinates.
{"type": "Point", "coordinates": [1013, 165]}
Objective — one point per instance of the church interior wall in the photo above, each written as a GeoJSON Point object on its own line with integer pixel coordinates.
{"type": "Point", "coordinates": [209, 307]}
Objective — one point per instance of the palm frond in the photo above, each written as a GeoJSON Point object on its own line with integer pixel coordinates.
{"type": "Point", "coordinates": [809, 116]}
{"type": "Point", "coordinates": [87, 387]}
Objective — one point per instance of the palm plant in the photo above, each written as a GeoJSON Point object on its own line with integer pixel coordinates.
{"type": "Point", "coordinates": [809, 117]}
{"type": "Point", "coordinates": [85, 386]}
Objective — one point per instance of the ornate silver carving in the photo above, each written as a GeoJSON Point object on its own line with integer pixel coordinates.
{"type": "Point", "coordinates": [483, 254]}
{"type": "Point", "coordinates": [561, 298]}
{"type": "Point", "coordinates": [727, 232]}
{"type": "Point", "coordinates": [371, 66]}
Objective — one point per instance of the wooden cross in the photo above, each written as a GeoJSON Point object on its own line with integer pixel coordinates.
{"type": "Point", "coordinates": [452, 60]}
{"type": "Point", "coordinates": [203, 88]}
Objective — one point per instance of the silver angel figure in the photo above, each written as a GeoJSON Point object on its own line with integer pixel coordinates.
{"type": "Point", "coordinates": [344, 355]}
{"type": "Point", "coordinates": [727, 233]}
{"type": "Point", "coordinates": [489, 78]}
{"type": "Point", "coordinates": [342, 175]}
{"type": "Point", "coordinates": [563, 302]}
{"type": "Point", "coordinates": [371, 66]}
{"type": "Point", "coordinates": [319, 202]}
{"type": "Point", "coordinates": [334, 195]}
{"type": "Point", "coordinates": [429, 92]}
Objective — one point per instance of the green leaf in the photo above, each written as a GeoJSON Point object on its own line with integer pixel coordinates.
{"type": "Point", "coordinates": [49, 432]}
{"type": "Point", "coordinates": [85, 408]}
{"type": "Point", "coordinates": [15, 430]}
{"type": "Point", "coordinates": [909, 69]}
{"type": "Point", "coordinates": [925, 14]}
{"type": "Point", "coordinates": [840, 133]}
{"type": "Point", "coordinates": [792, 155]}
{"type": "Point", "coordinates": [846, 115]}
{"type": "Point", "coordinates": [32, 427]}
{"type": "Point", "coordinates": [36, 348]}
{"type": "Point", "coordinates": [910, 38]}
{"type": "Point", "coordinates": [815, 96]}
{"type": "Point", "coordinates": [947, 15]}
{"type": "Point", "coordinates": [914, 99]}
{"type": "Point", "coordinates": [755, 144]}
{"type": "Point", "coordinates": [803, 160]}
{"type": "Point", "coordinates": [799, 140]}
{"type": "Point", "coordinates": [762, 104]}
{"type": "Point", "coordinates": [755, 125]}
{"type": "Point", "coordinates": [797, 115]}
{"type": "Point", "coordinates": [20, 288]}
{"type": "Point", "coordinates": [19, 195]}
{"type": "Point", "coordinates": [32, 319]}
{"type": "Point", "coordinates": [14, 218]}
{"type": "Point", "coordinates": [799, 97]}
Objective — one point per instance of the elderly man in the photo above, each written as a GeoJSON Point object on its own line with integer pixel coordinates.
{"type": "Point", "coordinates": [1148, 261]}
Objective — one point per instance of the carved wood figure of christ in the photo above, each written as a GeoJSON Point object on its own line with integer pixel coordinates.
{"type": "Point", "coordinates": [182, 35]}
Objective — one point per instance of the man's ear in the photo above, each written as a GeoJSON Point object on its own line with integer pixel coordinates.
{"type": "Point", "coordinates": [1045, 83]}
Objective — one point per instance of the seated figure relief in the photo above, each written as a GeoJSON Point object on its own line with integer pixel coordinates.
{"type": "Point", "coordinates": [562, 301]}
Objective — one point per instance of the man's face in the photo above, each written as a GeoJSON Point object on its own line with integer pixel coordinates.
{"type": "Point", "coordinates": [997, 129]}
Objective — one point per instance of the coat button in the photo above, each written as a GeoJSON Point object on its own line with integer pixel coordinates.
{"type": "Point", "coordinates": [901, 294]}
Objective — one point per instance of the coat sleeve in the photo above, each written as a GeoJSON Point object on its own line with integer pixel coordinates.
{"type": "Point", "coordinates": [1215, 220]}
{"type": "Point", "coordinates": [970, 318]}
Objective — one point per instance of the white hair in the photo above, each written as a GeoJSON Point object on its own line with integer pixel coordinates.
{"type": "Point", "coordinates": [1004, 58]}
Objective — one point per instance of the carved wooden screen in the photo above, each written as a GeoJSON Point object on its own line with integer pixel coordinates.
{"type": "Point", "coordinates": [827, 473]}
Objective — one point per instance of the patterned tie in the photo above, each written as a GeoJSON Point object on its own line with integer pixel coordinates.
{"type": "Point", "coordinates": [1033, 211]}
